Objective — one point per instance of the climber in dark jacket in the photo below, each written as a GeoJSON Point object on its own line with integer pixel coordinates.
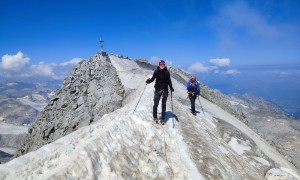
{"type": "Point", "coordinates": [163, 80]}
{"type": "Point", "coordinates": [193, 92]}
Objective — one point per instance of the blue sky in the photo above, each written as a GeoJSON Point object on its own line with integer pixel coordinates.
{"type": "Point", "coordinates": [186, 32]}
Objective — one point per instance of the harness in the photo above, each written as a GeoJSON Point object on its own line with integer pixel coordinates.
{"type": "Point", "coordinates": [161, 91]}
{"type": "Point", "coordinates": [194, 85]}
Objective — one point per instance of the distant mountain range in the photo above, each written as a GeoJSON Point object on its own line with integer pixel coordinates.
{"type": "Point", "coordinates": [20, 105]}
{"type": "Point", "coordinates": [277, 85]}
{"type": "Point", "coordinates": [21, 102]}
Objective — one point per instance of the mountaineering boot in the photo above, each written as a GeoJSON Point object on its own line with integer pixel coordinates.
{"type": "Point", "coordinates": [194, 113]}
{"type": "Point", "coordinates": [162, 121]}
{"type": "Point", "coordinates": [156, 120]}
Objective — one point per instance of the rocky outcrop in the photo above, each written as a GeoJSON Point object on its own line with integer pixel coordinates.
{"type": "Point", "coordinates": [92, 90]}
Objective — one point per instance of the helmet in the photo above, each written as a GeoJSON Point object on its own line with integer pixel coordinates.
{"type": "Point", "coordinates": [162, 62]}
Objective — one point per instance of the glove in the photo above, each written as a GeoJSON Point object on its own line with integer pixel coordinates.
{"type": "Point", "coordinates": [171, 88]}
{"type": "Point", "coordinates": [148, 81]}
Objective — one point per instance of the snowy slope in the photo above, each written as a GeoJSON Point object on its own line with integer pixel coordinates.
{"type": "Point", "coordinates": [123, 145]}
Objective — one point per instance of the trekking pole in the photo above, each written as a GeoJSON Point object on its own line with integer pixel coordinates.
{"type": "Point", "coordinates": [172, 108]}
{"type": "Point", "coordinates": [172, 101]}
{"type": "Point", "coordinates": [183, 102]}
{"type": "Point", "coordinates": [139, 99]}
{"type": "Point", "coordinates": [201, 107]}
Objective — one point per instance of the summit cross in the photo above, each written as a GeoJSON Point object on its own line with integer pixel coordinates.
{"type": "Point", "coordinates": [101, 43]}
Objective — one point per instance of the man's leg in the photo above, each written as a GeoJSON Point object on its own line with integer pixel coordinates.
{"type": "Point", "coordinates": [193, 99]}
{"type": "Point", "coordinates": [163, 104]}
{"type": "Point", "coordinates": [156, 102]}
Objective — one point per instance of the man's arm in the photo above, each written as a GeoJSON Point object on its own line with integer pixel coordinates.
{"type": "Point", "coordinates": [188, 86]}
{"type": "Point", "coordinates": [152, 79]}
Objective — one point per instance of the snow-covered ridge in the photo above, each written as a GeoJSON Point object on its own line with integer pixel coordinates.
{"type": "Point", "coordinates": [123, 145]}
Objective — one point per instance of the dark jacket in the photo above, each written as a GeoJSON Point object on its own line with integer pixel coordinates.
{"type": "Point", "coordinates": [193, 87]}
{"type": "Point", "coordinates": [163, 79]}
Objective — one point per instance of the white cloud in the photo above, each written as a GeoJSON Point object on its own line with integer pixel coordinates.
{"type": "Point", "coordinates": [232, 72]}
{"type": "Point", "coordinates": [169, 63]}
{"type": "Point", "coordinates": [199, 67]}
{"type": "Point", "coordinates": [221, 62]}
{"type": "Point", "coordinates": [218, 66]}
{"type": "Point", "coordinates": [155, 60]}
{"type": "Point", "coordinates": [14, 62]}
{"type": "Point", "coordinates": [42, 69]}
{"type": "Point", "coordinates": [73, 61]}
{"type": "Point", "coordinates": [17, 66]}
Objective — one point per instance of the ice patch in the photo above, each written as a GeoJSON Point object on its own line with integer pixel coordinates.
{"type": "Point", "coordinates": [275, 174]}
{"type": "Point", "coordinates": [253, 163]}
{"type": "Point", "coordinates": [234, 103]}
{"type": "Point", "coordinates": [244, 106]}
{"type": "Point", "coordinates": [262, 161]}
{"type": "Point", "coordinates": [223, 150]}
{"type": "Point", "coordinates": [208, 118]}
{"type": "Point", "coordinates": [238, 148]}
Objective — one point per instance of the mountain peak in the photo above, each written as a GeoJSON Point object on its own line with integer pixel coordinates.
{"type": "Point", "coordinates": [92, 90]}
{"type": "Point", "coordinates": [105, 90]}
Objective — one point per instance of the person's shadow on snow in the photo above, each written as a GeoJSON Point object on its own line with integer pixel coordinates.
{"type": "Point", "coordinates": [170, 115]}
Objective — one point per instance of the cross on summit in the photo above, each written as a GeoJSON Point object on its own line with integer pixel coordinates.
{"type": "Point", "coordinates": [103, 53]}
{"type": "Point", "coordinates": [101, 43]}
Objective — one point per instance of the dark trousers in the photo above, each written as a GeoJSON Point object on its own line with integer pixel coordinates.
{"type": "Point", "coordinates": [157, 96]}
{"type": "Point", "coordinates": [193, 98]}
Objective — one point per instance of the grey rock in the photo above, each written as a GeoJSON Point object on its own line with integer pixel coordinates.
{"type": "Point", "coordinates": [92, 90]}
